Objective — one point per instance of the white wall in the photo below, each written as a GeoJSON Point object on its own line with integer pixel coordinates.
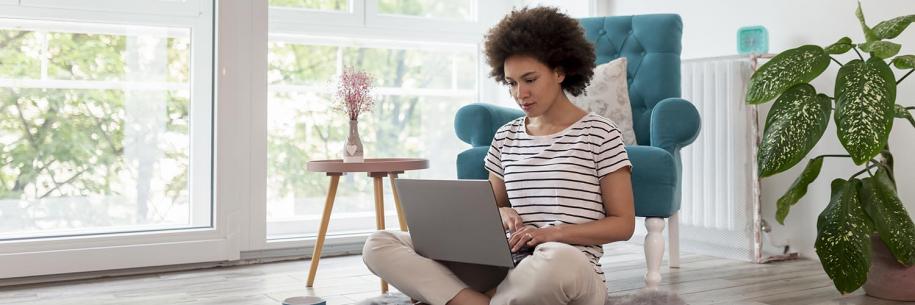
{"type": "Point", "coordinates": [493, 11]}
{"type": "Point", "coordinates": [709, 29]}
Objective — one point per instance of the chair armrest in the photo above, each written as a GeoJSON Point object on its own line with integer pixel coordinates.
{"type": "Point", "coordinates": [675, 123]}
{"type": "Point", "coordinates": [476, 124]}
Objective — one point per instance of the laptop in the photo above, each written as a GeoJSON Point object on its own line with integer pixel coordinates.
{"type": "Point", "coordinates": [456, 221]}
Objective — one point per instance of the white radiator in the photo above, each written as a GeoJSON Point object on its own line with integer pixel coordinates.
{"type": "Point", "coordinates": [719, 206]}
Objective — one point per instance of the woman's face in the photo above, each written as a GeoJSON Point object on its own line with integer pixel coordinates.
{"type": "Point", "coordinates": [533, 84]}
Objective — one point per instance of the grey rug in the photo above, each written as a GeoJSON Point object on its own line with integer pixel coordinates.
{"type": "Point", "coordinates": [644, 297]}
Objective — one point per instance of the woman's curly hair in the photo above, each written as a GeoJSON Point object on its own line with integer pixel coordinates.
{"type": "Point", "coordinates": [547, 35]}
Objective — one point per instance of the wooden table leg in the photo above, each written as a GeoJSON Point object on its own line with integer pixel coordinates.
{"type": "Point", "coordinates": [379, 213]}
{"type": "Point", "coordinates": [322, 231]}
{"type": "Point", "coordinates": [400, 216]}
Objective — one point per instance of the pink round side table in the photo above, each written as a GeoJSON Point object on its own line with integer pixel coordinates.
{"type": "Point", "coordinates": [377, 169]}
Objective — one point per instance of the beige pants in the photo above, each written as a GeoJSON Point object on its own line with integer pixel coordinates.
{"type": "Point", "coordinates": [556, 274]}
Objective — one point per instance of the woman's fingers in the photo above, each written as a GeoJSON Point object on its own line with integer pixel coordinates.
{"type": "Point", "coordinates": [520, 238]}
{"type": "Point", "coordinates": [514, 239]}
{"type": "Point", "coordinates": [510, 219]}
{"type": "Point", "coordinates": [533, 242]}
{"type": "Point", "coordinates": [512, 224]}
{"type": "Point", "coordinates": [542, 235]}
{"type": "Point", "coordinates": [518, 223]}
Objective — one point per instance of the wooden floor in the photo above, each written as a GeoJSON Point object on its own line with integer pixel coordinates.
{"type": "Point", "coordinates": [345, 280]}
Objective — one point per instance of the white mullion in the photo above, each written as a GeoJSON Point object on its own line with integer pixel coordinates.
{"type": "Point", "coordinates": [454, 74]}
{"type": "Point", "coordinates": [382, 43]}
{"type": "Point", "coordinates": [252, 219]}
{"type": "Point", "coordinates": [338, 65]}
{"type": "Point", "coordinates": [112, 20]}
{"type": "Point", "coordinates": [395, 91]}
{"type": "Point", "coordinates": [201, 115]}
{"type": "Point", "coordinates": [92, 27]}
{"type": "Point", "coordinates": [45, 54]}
{"type": "Point", "coordinates": [421, 34]}
{"type": "Point", "coordinates": [188, 8]}
{"type": "Point", "coordinates": [46, 83]}
{"type": "Point", "coordinates": [363, 11]}
{"type": "Point", "coordinates": [475, 10]}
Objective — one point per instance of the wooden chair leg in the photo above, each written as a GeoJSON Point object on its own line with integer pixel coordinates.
{"type": "Point", "coordinates": [400, 216]}
{"type": "Point", "coordinates": [673, 235]}
{"type": "Point", "coordinates": [322, 230]}
{"type": "Point", "coordinates": [654, 251]}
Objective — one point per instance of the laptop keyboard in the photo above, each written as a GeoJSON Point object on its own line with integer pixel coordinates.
{"type": "Point", "coordinates": [521, 254]}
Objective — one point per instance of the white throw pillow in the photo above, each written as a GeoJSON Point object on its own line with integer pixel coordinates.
{"type": "Point", "coordinates": [608, 96]}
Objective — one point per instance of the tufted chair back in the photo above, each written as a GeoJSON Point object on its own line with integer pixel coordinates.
{"type": "Point", "coordinates": [651, 45]}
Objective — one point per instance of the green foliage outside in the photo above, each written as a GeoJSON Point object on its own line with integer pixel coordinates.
{"type": "Point", "coordinates": [69, 143]}
{"type": "Point", "coordinates": [394, 127]}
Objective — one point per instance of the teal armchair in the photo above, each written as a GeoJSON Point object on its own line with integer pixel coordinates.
{"type": "Point", "coordinates": [663, 122]}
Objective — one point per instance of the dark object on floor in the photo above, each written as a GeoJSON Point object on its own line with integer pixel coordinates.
{"type": "Point", "coordinates": [304, 301]}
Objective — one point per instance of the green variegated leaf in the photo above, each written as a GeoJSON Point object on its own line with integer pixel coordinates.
{"type": "Point", "coordinates": [891, 28]}
{"type": "Point", "coordinates": [798, 189]}
{"type": "Point", "coordinates": [865, 99]}
{"type": "Point", "coordinates": [904, 62]}
{"type": "Point", "coordinates": [881, 202]}
{"type": "Point", "coordinates": [843, 237]}
{"type": "Point", "coordinates": [796, 66]}
{"type": "Point", "coordinates": [880, 48]}
{"type": "Point", "coordinates": [868, 32]}
{"type": "Point", "coordinates": [840, 47]}
{"type": "Point", "coordinates": [795, 124]}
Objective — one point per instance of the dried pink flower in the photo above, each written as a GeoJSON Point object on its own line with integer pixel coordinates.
{"type": "Point", "coordinates": [353, 94]}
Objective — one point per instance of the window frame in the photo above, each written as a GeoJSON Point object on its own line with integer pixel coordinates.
{"type": "Point", "coordinates": [301, 16]}
{"type": "Point", "coordinates": [375, 18]}
{"type": "Point", "coordinates": [213, 242]}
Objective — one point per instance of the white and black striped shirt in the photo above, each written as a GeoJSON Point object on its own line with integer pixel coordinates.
{"type": "Point", "coordinates": [554, 179]}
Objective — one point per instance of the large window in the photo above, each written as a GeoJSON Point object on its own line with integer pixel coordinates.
{"type": "Point", "coordinates": [157, 132]}
{"type": "Point", "coordinates": [99, 127]}
{"type": "Point", "coordinates": [419, 86]}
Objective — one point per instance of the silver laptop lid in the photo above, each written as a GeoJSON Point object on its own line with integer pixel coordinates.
{"type": "Point", "coordinates": [455, 220]}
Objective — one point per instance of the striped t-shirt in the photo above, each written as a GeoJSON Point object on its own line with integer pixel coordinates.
{"type": "Point", "coordinates": [554, 179]}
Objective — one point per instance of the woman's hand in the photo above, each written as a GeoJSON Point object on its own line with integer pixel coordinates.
{"type": "Point", "coordinates": [530, 236]}
{"type": "Point", "coordinates": [510, 219]}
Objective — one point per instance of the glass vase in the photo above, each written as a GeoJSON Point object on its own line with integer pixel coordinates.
{"type": "Point", "coordinates": [352, 149]}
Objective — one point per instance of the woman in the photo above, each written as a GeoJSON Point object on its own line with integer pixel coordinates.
{"type": "Point", "coordinates": [560, 175]}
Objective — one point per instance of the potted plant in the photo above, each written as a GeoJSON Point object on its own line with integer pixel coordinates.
{"type": "Point", "coordinates": [354, 97]}
{"type": "Point", "coordinates": [865, 213]}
